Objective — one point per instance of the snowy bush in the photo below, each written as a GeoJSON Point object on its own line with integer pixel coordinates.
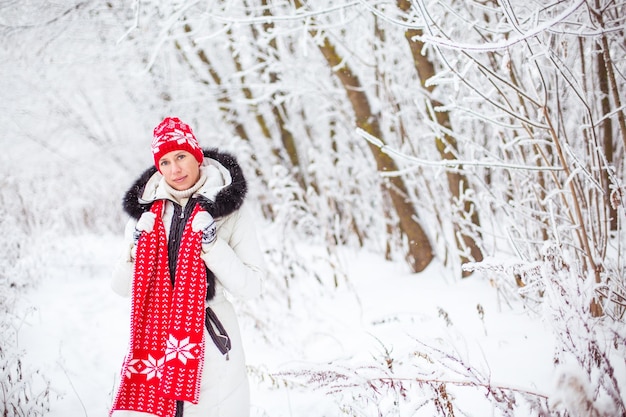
{"type": "Point", "coordinates": [21, 395]}
{"type": "Point", "coordinates": [23, 392]}
{"type": "Point", "coordinates": [590, 350]}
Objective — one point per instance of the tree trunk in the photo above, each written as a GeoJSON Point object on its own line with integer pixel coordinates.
{"type": "Point", "coordinates": [420, 250]}
{"type": "Point", "coordinates": [278, 110]}
{"type": "Point", "coordinates": [446, 144]}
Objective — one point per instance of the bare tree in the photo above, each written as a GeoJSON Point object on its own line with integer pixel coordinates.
{"type": "Point", "coordinates": [420, 252]}
{"type": "Point", "coordinates": [467, 237]}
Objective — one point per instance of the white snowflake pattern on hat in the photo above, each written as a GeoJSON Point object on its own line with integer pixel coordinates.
{"type": "Point", "coordinates": [171, 130]}
{"type": "Point", "coordinates": [174, 135]}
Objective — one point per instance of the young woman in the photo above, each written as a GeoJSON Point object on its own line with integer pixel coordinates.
{"type": "Point", "coordinates": [190, 240]}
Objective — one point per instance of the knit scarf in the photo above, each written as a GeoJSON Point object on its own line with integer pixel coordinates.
{"type": "Point", "coordinates": [166, 352]}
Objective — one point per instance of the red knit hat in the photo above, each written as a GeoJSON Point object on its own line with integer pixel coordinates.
{"type": "Point", "coordinates": [172, 135]}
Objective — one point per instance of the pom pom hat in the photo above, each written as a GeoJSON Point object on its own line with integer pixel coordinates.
{"type": "Point", "coordinates": [172, 135]}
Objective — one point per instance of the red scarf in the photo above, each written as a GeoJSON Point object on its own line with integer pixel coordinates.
{"type": "Point", "coordinates": [166, 354]}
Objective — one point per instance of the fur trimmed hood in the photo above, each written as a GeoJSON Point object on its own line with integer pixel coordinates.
{"type": "Point", "coordinates": [228, 200]}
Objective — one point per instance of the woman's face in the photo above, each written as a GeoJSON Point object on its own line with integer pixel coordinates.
{"type": "Point", "coordinates": [180, 169]}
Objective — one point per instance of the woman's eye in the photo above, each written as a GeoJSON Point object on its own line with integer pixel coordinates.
{"type": "Point", "coordinates": [181, 156]}
{"type": "Point", "coordinates": [163, 163]}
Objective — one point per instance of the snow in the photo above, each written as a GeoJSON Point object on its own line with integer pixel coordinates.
{"type": "Point", "coordinates": [75, 331]}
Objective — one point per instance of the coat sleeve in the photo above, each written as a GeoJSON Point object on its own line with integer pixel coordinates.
{"type": "Point", "coordinates": [236, 258]}
{"type": "Point", "coordinates": [122, 275]}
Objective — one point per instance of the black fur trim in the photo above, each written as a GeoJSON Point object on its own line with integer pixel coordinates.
{"type": "Point", "coordinates": [227, 201]}
{"type": "Point", "coordinates": [130, 202]}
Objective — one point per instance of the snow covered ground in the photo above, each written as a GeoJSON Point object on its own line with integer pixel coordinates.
{"type": "Point", "coordinates": [75, 331]}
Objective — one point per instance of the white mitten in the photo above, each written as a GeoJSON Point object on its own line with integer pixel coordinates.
{"type": "Point", "coordinates": [204, 222]}
{"type": "Point", "coordinates": [144, 224]}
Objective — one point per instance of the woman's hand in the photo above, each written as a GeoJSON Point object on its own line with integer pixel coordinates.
{"type": "Point", "coordinates": [205, 223]}
{"type": "Point", "coordinates": [144, 224]}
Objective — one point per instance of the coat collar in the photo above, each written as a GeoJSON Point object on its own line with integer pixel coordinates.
{"type": "Point", "coordinates": [219, 200]}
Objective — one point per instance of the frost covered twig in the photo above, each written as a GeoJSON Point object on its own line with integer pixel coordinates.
{"type": "Point", "coordinates": [389, 392]}
{"type": "Point", "coordinates": [443, 163]}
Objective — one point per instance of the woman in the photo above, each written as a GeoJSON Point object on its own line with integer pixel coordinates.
{"type": "Point", "coordinates": [190, 240]}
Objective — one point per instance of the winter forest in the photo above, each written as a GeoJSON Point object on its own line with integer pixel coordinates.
{"type": "Point", "coordinates": [453, 144]}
